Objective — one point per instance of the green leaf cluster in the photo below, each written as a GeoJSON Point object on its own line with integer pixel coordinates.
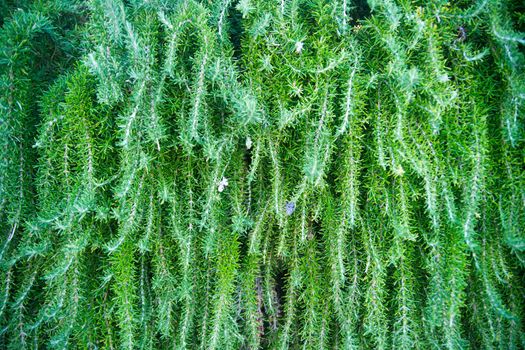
{"type": "Point", "coordinates": [295, 174]}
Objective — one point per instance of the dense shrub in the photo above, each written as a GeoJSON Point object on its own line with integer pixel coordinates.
{"type": "Point", "coordinates": [249, 174]}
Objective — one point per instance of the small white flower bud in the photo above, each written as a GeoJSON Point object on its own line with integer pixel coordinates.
{"type": "Point", "coordinates": [299, 47]}
{"type": "Point", "coordinates": [223, 184]}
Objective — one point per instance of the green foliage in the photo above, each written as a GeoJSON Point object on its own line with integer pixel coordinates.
{"type": "Point", "coordinates": [252, 174]}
